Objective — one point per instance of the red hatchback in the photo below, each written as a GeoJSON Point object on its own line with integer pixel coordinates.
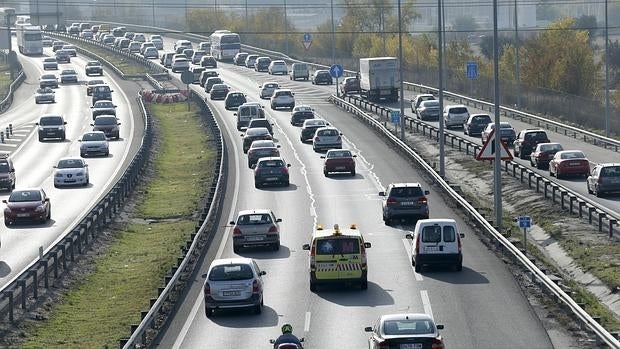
{"type": "Point", "coordinates": [27, 205]}
{"type": "Point", "coordinates": [569, 162]}
{"type": "Point", "coordinates": [339, 160]}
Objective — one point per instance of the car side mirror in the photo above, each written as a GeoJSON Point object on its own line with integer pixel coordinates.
{"type": "Point", "coordinates": [262, 272]}
{"type": "Point", "coordinates": [92, 124]}
{"type": "Point", "coordinates": [367, 245]}
{"type": "Point", "coordinates": [79, 140]}
{"type": "Point", "coordinates": [119, 124]}
{"type": "Point", "coordinates": [439, 327]}
{"type": "Point", "coordinates": [241, 135]}
{"type": "Point", "coordinates": [409, 236]}
{"type": "Point", "coordinates": [354, 156]}
{"type": "Point", "coordinates": [47, 199]}
{"type": "Point", "coordinates": [253, 166]}
{"type": "Point", "coordinates": [85, 165]}
{"type": "Point", "coordinates": [322, 156]}
{"type": "Point", "coordinates": [55, 166]}
{"type": "Point", "coordinates": [37, 123]}
{"type": "Point", "coordinates": [272, 341]}
{"type": "Point", "coordinates": [368, 329]}
{"type": "Point", "coordinates": [12, 170]}
{"type": "Point", "coordinates": [4, 201]}
{"type": "Point", "coordinates": [381, 193]}
{"type": "Point", "coordinates": [92, 107]}
{"type": "Point", "coordinates": [426, 192]}
{"type": "Point", "coordinates": [279, 220]}
{"type": "Point", "coordinates": [462, 235]}
{"type": "Point", "coordinates": [204, 276]}
{"type": "Point", "coordinates": [288, 165]}
{"type": "Point", "coordinates": [303, 247]}
{"type": "Point", "coordinates": [64, 123]}
{"type": "Point", "coordinates": [235, 114]}
{"type": "Point", "coordinates": [278, 146]}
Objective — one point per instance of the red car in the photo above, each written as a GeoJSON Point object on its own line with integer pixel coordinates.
{"type": "Point", "coordinates": [27, 205]}
{"type": "Point", "coordinates": [543, 153]}
{"type": "Point", "coordinates": [569, 162]}
{"type": "Point", "coordinates": [339, 160]}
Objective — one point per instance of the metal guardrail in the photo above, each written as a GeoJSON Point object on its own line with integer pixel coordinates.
{"type": "Point", "coordinates": [602, 335]}
{"type": "Point", "coordinates": [17, 296]}
{"type": "Point", "coordinates": [158, 314]}
{"type": "Point", "coordinates": [6, 102]}
{"type": "Point", "coordinates": [575, 202]}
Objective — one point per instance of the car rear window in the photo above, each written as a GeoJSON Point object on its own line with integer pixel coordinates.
{"type": "Point", "coordinates": [610, 171]}
{"type": "Point", "coordinates": [550, 147]}
{"type": "Point", "coordinates": [231, 272]}
{"type": "Point", "coordinates": [573, 155]}
{"type": "Point", "coordinates": [432, 234]}
{"type": "Point", "coordinates": [259, 218]}
{"type": "Point", "coordinates": [481, 119]}
{"type": "Point", "coordinates": [327, 133]}
{"type": "Point", "coordinates": [536, 135]}
{"type": "Point", "coordinates": [402, 192]}
{"type": "Point", "coordinates": [430, 104]}
{"type": "Point", "coordinates": [304, 115]}
{"type": "Point", "coordinates": [458, 110]}
{"type": "Point", "coordinates": [408, 327]}
{"type": "Point", "coordinates": [337, 246]}
{"type": "Point", "coordinates": [271, 163]}
{"type": "Point", "coordinates": [93, 137]}
{"type": "Point", "coordinates": [339, 154]}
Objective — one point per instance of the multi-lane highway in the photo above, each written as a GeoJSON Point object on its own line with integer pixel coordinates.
{"type": "Point", "coordinates": [481, 306]}
{"type": "Point", "coordinates": [34, 160]}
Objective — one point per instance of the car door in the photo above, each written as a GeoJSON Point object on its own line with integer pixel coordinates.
{"type": "Point", "coordinates": [349, 259]}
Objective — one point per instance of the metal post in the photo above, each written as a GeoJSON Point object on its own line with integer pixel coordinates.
{"type": "Point", "coordinates": [525, 241]}
{"type": "Point", "coordinates": [153, 6]}
{"type": "Point", "coordinates": [285, 31]}
{"type": "Point", "coordinates": [57, 15]}
{"type": "Point", "coordinates": [497, 169]}
{"type": "Point", "coordinates": [383, 25]}
{"type": "Point", "coordinates": [517, 68]}
{"type": "Point", "coordinates": [606, 72]}
{"type": "Point", "coordinates": [333, 36]}
{"type": "Point", "coordinates": [189, 93]}
{"type": "Point", "coordinates": [442, 151]}
{"type": "Point", "coordinates": [247, 18]}
{"type": "Point", "coordinates": [400, 73]}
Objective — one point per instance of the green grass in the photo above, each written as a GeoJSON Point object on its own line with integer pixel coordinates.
{"type": "Point", "coordinates": [99, 310]}
{"type": "Point", "coordinates": [5, 80]}
{"type": "Point", "coordinates": [124, 64]}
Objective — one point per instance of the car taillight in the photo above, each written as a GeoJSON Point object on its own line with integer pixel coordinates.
{"type": "Point", "coordinates": [383, 345]}
{"type": "Point", "coordinates": [391, 201]}
{"type": "Point", "coordinates": [284, 170]}
{"type": "Point", "coordinates": [312, 257]}
{"type": "Point", "coordinates": [459, 239]}
{"type": "Point", "coordinates": [255, 287]}
{"type": "Point", "coordinates": [436, 344]}
{"type": "Point", "coordinates": [207, 289]}
{"type": "Point", "coordinates": [236, 231]}
{"type": "Point", "coordinates": [422, 201]}
{"type": "Point", "coordinates": [273, 229]}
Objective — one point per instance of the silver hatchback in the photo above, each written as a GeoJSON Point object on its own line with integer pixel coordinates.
{"type": "Point", "coordinates": [327, 138]}
{"type": "Point", "coordinates": [233, 283]}
{"type": "Point", "coordinates": [256, 228]}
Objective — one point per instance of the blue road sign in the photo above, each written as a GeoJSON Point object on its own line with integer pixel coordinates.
{"type": "Point", "coordinates": [525, 222]}
{"type": "Point", "coordinates": [395, 116]}
{"type": "Point", "coordinates": [307, 37]}
{"type": "Point", "coordinates": [336, 70]}
{"type": "Point", "coordinates": [472, 70]}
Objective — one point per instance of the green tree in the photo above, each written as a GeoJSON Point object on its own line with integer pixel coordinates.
{"type": "Point", "coordinates": [486, 45]}
{"type": "Point", "coordinates": [587, 23]}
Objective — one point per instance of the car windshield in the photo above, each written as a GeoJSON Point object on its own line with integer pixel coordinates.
{"type": "Point", "coordinates": [51, 121]}
{"type": "Point", "coordinates": [70, 163]}
{"type": "Point", "coordinates": [263, 144]}
{"type": "Point", "coordinates": [105, 120]}
{"type": "Point", "coordinates": [573, 155]}
{"type": "Point", "coordinates": [68, 72]}
{"type": "Point", "coordinates": [481, 120]}
{"type": "Point", "coordinates": [95, 82]}
{"type": "Point", "coordinates": [536, 135]}
{"type": "Point", "coordinates": [339, 154]}
{"type": "Point", "coordinates": [250, 219]}
{"type": "Point", "coordinates": [235, 95]}
{"type": "Point", "coordinates": [271, 163]}
{"type": "Point", "coordinates": [403, 192]}
{"type": "Point", "coordinates": [4, 167]}
{"type": "Point", "coordinates": [610, 171]}
{"type": "Point", "coordinates": [231, 272]}
{"type": "Point", "coordinates": [93, 64]}
{"type": "Point", "coordinates": [50, 59]}
{"type": "Point", "coordinates": [96, 136]}
{"type": "Point", "coordinates": [333, 246]}
{"type": "Point", "coordinates": [458, 110]}
{"type": "Point", "coordinates": [256, 131]}
{"type": "Point", "coordinates": [48, 77]}
{"type": "Point", "coordinates": [408, 327]}
{"type": "Point", "coordinates": [25, 196]}
{"type": "Point", "coordinates": [106, 104]}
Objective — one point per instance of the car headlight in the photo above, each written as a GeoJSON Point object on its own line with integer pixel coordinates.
{"type": "Point", "coordinates": [58, 175]}
{"type": "Point", "coordinates": [80, 174]}
{"type": "Point", "coordinates": [60, 128]}
{"type": "Point", "coordinates": [41, 128]}
{"type": "Point", "coordinates": [39, 208]}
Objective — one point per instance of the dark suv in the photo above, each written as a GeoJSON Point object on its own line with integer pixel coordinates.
{"type": "Point", "coordinates": [101, 92]}
{"type": "Point", "coordinates": [475, 124]}
{"type": "Point", "coordinates": [7, 172]}
{"type": "Point", "coordinates": [51, 126]}
{"type": "Point", "coordinates": [261, 123]}
{"type": "Point", "coordinates": [404, 200]}
{"type": "Point", "coordinates": [527, 140]}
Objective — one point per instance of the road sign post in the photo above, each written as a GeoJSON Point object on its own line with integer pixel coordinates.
{"type": "Point", "coordinates": [307, 41]}
{"type": "Point", "coordinates": [525, 222]}
{"type": "Point", "coordinates": [395, 119]}
{"type": "Point", "coordinates": [471, 71]}
{"type": "Point", "coordinates": [488, 150]}
{"type": "Point", "coordinates": [187, 77]}
{"type": "Point", "coordinates": [336, 71]}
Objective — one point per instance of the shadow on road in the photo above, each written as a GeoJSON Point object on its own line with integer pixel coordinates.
{"type": "Point", "coordinates": [245, 318]}
{"type": "Point", "coordinates": [265, 252]}
{"type": "Point", "coordinates": [446, 274]}
{"type": "Point", "coordinates": [351, 295]}
{"type": "Point", "coordinates": [4, 269]}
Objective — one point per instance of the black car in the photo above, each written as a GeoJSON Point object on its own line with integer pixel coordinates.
{"type": "Point", "coordinates": [527, 140]}
{"type": "Point", "coordinates": [63, 56]}
{"type": "Point", "coordinates": [234, 100]}
{"type": "Point", "coordinates": [475, 124]}
{"type": "Point", "coordinates": [261, 122]}
{"type": "Point", "coordinates": [7, 172]}
{"type": "Point", "coordinates": [205, 75]}
{"type": "Point", "coordinates": [262, 64]}
{"type": "Point", "coordinates": [240, 58]}
{"type": "Point", "coordinates": [94, 67]}
{"type": "Point", "coordinates": [51, 126]}
{"type": "Point", "coordinates": [350, 84]}
{"type": "Point", "coordinates": [219, 91]}
{"type": "Point", "coordinates": [310, 127]}
{"type": "Point", "coordinates": [101, 92]}
{"type": "Point", "coordinates": [254, 134]}
{"type": "Point", "coordinates": [301, 114]}
{"type": "Point", "coordinates": [321, 77]}
{"type": "Point", "coordinates": [103, 107]}
{"type": "Point", "coordinates": [108, 124]}
{"type": "Point", "coordinates": [271, 170]}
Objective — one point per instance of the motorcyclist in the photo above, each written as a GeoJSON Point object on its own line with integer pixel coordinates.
{"type": "Point", "coordinates": [287, 337]}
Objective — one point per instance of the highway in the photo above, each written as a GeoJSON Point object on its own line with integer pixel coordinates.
{"type": "Point", "coordinates": [34, 160]}
{"type": "Point", "coordinates": [481, 306]}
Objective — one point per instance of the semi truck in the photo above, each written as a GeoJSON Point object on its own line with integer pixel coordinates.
{"type": "Point", "coordinates": [29, 38]}
{"type": "Point", "coordinates": [379, 78]}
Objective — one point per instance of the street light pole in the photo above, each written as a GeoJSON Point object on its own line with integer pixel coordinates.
{"type": "Point", "coordinates": [497, 166]}
{"type": "Point", "coordinates": [153, 4]}
{"type": "Point", "coordinates": [285, 30]}
{"type": "Point", "coordinates": [442, 151]}
{"type": "Point", "coordinates": [607, 123]}
{"type": "Point", "coordinates": [517, 68]}
{"type": "Point", "coordinates": [400, 72]}
{"type": "Point", "coordinates": [333, 34]}
{"type": "Point", "coordinates": [247, 25]}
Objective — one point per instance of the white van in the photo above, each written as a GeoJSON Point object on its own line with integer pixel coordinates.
{"type": "Point", "coordinates": [299, 71]}
{"type": "Point", "coordinates": [246, 112]}
{"type": "Point", "coordinates": [436, 242]}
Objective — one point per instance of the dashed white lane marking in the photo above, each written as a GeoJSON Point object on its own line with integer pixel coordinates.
{"type": "Point", "coordinates": [375, 179]}
{"type": "Point", "coordinates": [426, 302]}
{"type": "Point", "coordinates": [307, 322]}
{"type": "Point", "coordinates": [407, 244]}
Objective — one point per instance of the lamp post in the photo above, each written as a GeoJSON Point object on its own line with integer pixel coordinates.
{"type": "Point", "coordinates": [247, 25]}
{"type": "Point", "coordinates": [607, 124]}
{"type": "Point", "coordinates": [497, 166]}
{"type": "Point", "coordinates": [517, 72]}
{"type": "Point", "coordinates": [400, 72]}
{"type": "Point", "coordinates": [153, 6]}
{"type": "Point", "coordinates": [442, 151]}
{"type": "Point", "coordinates": [285, 31]}
{"type": "Point", "coordinates": [333, 34]}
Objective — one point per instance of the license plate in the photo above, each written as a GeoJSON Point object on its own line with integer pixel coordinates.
{"type": "Point", "coordinates": [340, 167]}
{"type": "Point", "coordinates": [271, 179]}
{"type": "Point", "coordinates": [411, 346]}
{"type": "Point", "coordinates": [69, 180]}
{"type": "Point", "coordinates": [231, 293]}
{"type": "Point", "coordinates": [255, 238]}
{"type": "Point", "coordinates": [50, 133]}
{"type": "Point", "coordinates": [23, 215]}
{"type": "Point", "coordinates": [431, 248]}
{"type": "Point", "coordinates": [407, 203]}
{"type": "Point", "coordinates": [574, 163]}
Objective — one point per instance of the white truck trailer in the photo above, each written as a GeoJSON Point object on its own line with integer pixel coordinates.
{"type": "Point", "coordinates": [379, 78]}
{"type": "Point", "coordinates": [29, 39]}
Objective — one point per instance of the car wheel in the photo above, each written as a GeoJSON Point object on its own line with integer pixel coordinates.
{"type": "Point", "coordinates": [388, 221]}
{"type": "Point", "coordinates": [539, 165]}
{"type": "Point", "coordinates": [353, 173]}
{"type": "Point", "coordinates": [236, 249]}
{"type": "Point", "coordinates": [287, 183]}
{"type": "Point", "coordinates": [312, 286]}
{"type": "Point", "coordinates": [325, 173]}
{"type": "Point", "coordinates": [558, 175]}
{"type": "Point", "coordinates": [598, 192]}
{"type": "Point", "coordinates": [36, 101]}
{"type": "Point", "coordinates": [276, 246]}
{"type": "Point", "coordinates": [40, 138]}
{"type": "Point", "coordinates": [459, 266]}
{"type": "Point", "coordinates": [364, 284]}
{"type": "Point", "coordinates": [588, 187]}
{"type": "Point", "coordinates": [208, 311]}
{"type": "Point", "coordinates": [87, 182]}
{"type": "Point", "coordinates": [258, 308]}
{"type": "Point", "coordinates": [49, 214]}
{"type": "Point", "coordinates": [412, 262]}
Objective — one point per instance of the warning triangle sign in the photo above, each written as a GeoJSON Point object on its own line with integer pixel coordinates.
{"type": "Point", "coordinates": [488, 149]}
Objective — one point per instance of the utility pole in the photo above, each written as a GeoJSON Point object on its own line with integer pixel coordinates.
{"type": "Point", "coordinates": [383, 25]}
{"type": "Point", "coordinates": [607, 123]}
{"type": "Point", "coordinates": [333, 34]}
{"type": "Point", "coordinates": [442, 151]}
{"type": "Point", "coordinates": [517, 68]}
{"type": "Point", "coordinates": [247, 23]}
{"type": "Point", "coordinates": [497, 166]}
{"type": "Point", "coordinates": [285, 31]}
{"type": "Point", "coordinates": [400, 72]}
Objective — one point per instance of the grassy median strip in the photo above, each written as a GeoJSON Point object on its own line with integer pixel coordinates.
{"type": "Point", "coordinates": [100, 309]}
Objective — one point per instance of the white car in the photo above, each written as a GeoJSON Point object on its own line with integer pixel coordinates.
{"type": "Point", "coordinates": [180, 64]}
{"type": "Point", "coordinates": [134, 47]}
{"type": "Point", "coordinates": [151, 53]}
{"type": "Point", "coordinates": [233, 283]}
{"type": "Point", "coordinates": [428, 235]}
{"type": "Point", "coordinates": [282, 98]}
{"type": "Point", "coordinates": [455, 115]}
{"type": "Point", "coordinates": [94, 142]}
{"type": "Point", "coordinates": [278, 67]}
{"type": "Point", "coordinates": [71, 171]}
{"type": "Point", "coordinates": [71, 50]}
{"type": "Point", "coordinates": [267, 88]}
{"type": "Point", "coordinates": [327, 138]}
{"type": "Point", "coordinates": [45, 94]}
{"type": "Point", "coordinates": [139, 37]}
{"type": "Point", "coordinates": [50, 63]}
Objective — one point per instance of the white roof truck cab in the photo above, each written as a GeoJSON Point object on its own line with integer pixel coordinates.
{"type": "Point", "coordinates": [436, 242]}
{"type": "Point", "coordinates": [379, 78]}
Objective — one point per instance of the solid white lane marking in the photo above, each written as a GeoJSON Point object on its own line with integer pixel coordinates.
{"type": "Point", "coordinates": [307, 322]}
{"type": "Point", "coordinates": [375, 179]}
{"type": "Point", "coordinates": [426, 302]}
{"type": "Point", "coordinates": [407, 244]}
{"type": "Point", "coordinates": [199, 300]}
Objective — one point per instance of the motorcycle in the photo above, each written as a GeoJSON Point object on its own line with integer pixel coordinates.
{"type": "Point", "coordinates": [287, 345]}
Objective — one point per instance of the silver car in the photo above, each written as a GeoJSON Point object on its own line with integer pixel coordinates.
{"type": "Point", "coordinates": [94, 143]}
{"type": "Point", "coordinates": [455, 115]}
{"type": "Point", "coordinates": [428, 110]}
{"type": "Point", "coordinates": [256, 228]}
{"type": "Point", "coordinates": [267, 88]}
{"type": "Point", "coordinates": [50, 63]}
{"type": "Point", "coordinates": [327, 138]}
{"type": "Point", "coordinates": [44, 95]}
{"type": "Point", "coordinates": [233, 283]}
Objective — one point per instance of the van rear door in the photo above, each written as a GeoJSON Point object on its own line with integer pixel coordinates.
{"type": "Point", "coordinates": [338, 257]}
